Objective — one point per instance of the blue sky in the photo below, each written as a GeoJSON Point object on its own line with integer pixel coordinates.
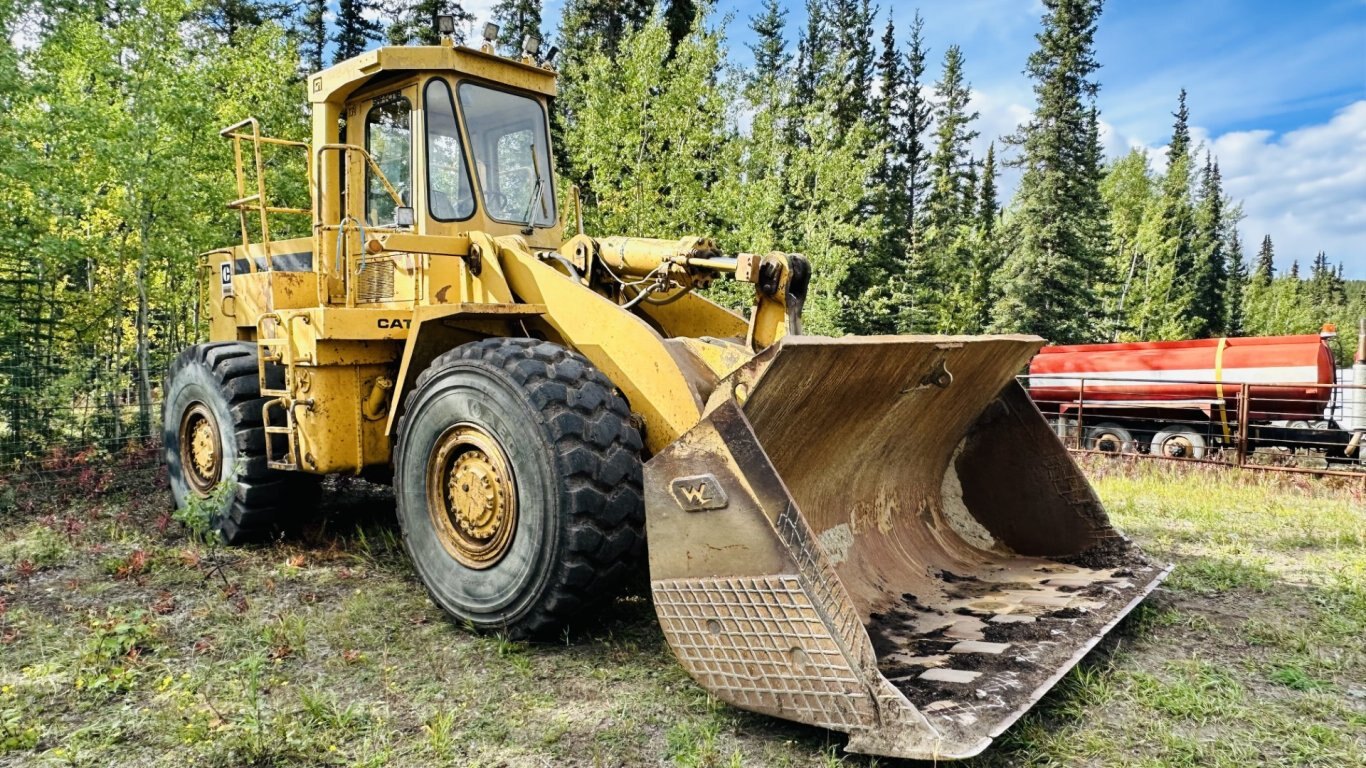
{"type": "Point", "coordinates": [1277, 91]}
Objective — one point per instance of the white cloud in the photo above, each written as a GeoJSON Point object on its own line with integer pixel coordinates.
{"type": "Point", "coordinates": [482, 11]}
{"type": "Point", "coordinates": [1306, 188]}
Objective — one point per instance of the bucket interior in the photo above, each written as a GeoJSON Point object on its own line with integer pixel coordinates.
{"type": "Point", "coordinates": [976, 554]}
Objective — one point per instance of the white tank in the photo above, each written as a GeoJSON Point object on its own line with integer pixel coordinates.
{"type": "Point", "coordinates": [1356, 398]}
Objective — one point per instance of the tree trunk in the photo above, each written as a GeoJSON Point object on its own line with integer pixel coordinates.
{"type": "Point", "coordinates": [143, 353]}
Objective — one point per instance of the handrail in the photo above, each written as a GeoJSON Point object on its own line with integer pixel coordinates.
{"type": "Point", "coordinates": [370, 161]}
{"type": "Point", "coordinates": [258, 200]}
{"type": "Point", "coordinates": [347, 223]}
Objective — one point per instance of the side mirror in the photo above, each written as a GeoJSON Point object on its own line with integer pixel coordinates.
{"type": "Point", "coordinates": [403, 217]}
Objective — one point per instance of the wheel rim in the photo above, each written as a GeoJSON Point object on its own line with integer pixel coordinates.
{"type": "Point", "coordinates": [201, 449]}
{"type": "Point", "coordinates": [1109, 442]}
{"type": "Point", "coordinates": [1178, 447]}
{"type": "Point", "coordinates": [471, 497]}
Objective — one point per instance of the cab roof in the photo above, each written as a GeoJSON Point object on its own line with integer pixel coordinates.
{"type": "Point", "coordinates": [339, 81]}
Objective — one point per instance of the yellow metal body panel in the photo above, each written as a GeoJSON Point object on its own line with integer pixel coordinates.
{"type": "Point", "coordinates": [338, 83]}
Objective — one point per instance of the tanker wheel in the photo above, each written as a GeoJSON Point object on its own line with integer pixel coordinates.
{"type": "Point", "coordinates": [212, 436]}
{"type": "Point", "coordinates": [517, 477]}
{"type": "Point", "coordinates": [1109, 437]}
{"type": "Point", "coordinates": [1178, 442]}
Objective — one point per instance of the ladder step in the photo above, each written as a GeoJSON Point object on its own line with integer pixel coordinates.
{"type": "Point", "coordinates": [285, 465]}
{"type": "Point", "coordinates": [278, 430]}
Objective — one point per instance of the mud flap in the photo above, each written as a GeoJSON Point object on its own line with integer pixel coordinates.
{"type": "Point", "coordinates": [882, 536]}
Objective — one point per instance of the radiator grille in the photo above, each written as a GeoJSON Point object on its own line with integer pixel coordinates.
{"type": "Point", "coordinates": [375, 280]}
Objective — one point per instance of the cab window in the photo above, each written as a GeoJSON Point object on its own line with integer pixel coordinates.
{"type": "Point", "coordinates": [511, 154]}
{"type": "Point", "coordinates": [450, 196]}
{"type": "Point", "coordinates": [389, 140]}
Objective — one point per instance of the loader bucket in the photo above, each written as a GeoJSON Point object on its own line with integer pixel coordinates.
{"type": "Point", "coordinates": [882, 536]}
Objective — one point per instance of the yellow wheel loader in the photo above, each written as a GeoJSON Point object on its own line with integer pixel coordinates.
{"type": "Point", "coordinates": [879, 536]}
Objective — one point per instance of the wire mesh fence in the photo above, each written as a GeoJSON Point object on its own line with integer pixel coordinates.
{"type": "Point", "coordinates": [71, 412]}
{"type": "Point", "coordinates": [1282, 426]}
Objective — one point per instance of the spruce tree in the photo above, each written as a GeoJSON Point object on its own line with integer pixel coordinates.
{"type": "Point", "coordinates": [414, 21]}
{"type": "Point", "coordinates": [516, 19]}
{"type": "Point", "coordinates": [813, 53]}
{"type": "Point", "coordinates": [1235, 293]}
{"type": "Point", "coordinates": [312, 33]}
{"type": "Point", "coordinates": [949, 167]}
{"type": "Point", "coordinates": [854, 57]}
{"type": "Point", "coordinates": [946, 250]}
{"type": "Point", "coordinates": [678, 19]}
{"type": "Point", "coordinates": [918, 112]}
{"type": "Point", "coordinates": [354, 31]}
{"type": "Point", "coordinates": [1266, 262]}
{"type": "Point", "coordinates": [1170, 247]}
{"type": "Point", "coordinates": [886, 120]}
{"type": "Point", "coordinates": [985, 250]}
{"type": "Point", "coordinates": [1047, 281]}
{"type": "Point", "coordinates": [765, 158]}
{"type": "Point", "coordinates": [988, 209]}
{"type": "Point", "coordinates": [771, 58]}
{"type": "Point", "coordinates": [228, 17]}
{"type": "Point", "coordinates": [1210, 271]}
{"type": "Point", "coordinates": [875, 282]}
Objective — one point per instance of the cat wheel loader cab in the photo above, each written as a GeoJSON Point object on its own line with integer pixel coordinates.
{"type": "Point", "coordinates": [875, 535]}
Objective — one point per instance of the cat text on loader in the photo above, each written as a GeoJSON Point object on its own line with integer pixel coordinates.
{"type": "Point", "coordinates": [875, 535]}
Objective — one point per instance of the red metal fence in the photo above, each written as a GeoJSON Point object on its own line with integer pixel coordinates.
{"type": "Point", "coordinates": [1284, 427]}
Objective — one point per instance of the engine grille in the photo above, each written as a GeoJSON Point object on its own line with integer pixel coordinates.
{"type": "Point", "coordinates": [375, 280]}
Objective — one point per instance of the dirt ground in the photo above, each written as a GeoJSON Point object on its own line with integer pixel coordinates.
{"type": "Point", "coordinates": [125, 642]}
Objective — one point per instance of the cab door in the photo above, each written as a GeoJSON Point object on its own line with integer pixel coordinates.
{"type": "Point", "coordinates": [385, 126]}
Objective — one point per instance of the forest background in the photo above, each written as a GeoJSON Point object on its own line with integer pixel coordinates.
{"type": "Point", "coordinates": [848, 143]}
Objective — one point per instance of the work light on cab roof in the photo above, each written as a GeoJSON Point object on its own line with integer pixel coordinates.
{"type": "Point", "coordinates": [877, 535]}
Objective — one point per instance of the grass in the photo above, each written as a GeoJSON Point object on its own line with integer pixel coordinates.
{"type": "Point", "coordinates": [123, 640]}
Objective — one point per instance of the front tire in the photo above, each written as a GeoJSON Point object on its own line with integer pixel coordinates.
{"type": "Point", "coordinates": [517, 478]}
{"type": "Point", "coordinates": [212, 434]}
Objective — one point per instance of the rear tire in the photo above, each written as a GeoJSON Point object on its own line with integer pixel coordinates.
{"type": "Point", "coordinates": [212, 433]}
{"type": "Point", "coordinates": [1109, 437]}
{"type": "Point", "coordinates": [517, 477]}
{"type": "Point", "coordinates": [1177, 441]}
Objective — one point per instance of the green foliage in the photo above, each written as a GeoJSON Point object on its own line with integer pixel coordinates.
{"type": "Point", "coordinates": [17, 732]}
{"type": "Point", "coordinates": [114, 178]}
{"type": "Point", "coordinates": [200, 513]}
{"type": "Point", "coordinates": [650, 143]}
{"type": "Point", "coordinates": [38, 545]}
{"type": "Point", "coordinates": [109, 659]}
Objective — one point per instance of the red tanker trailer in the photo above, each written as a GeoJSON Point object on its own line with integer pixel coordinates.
{"type": "Point", "coordinates": [1179, 398]}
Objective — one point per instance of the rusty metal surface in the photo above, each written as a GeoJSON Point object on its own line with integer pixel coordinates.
{"type": "Point", "coordinates": [880, 546]}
